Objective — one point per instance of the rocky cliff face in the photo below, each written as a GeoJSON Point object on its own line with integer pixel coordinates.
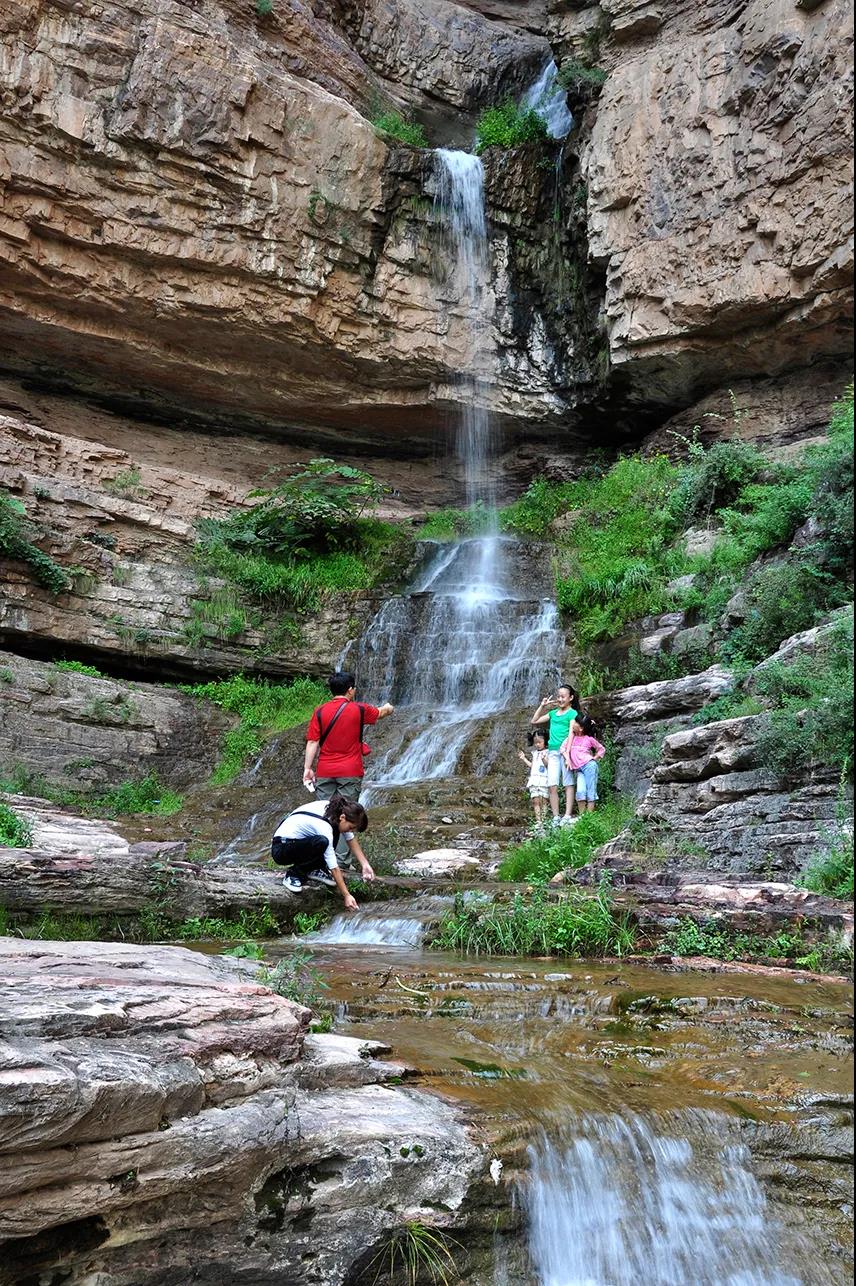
{"type": "Point", "coordinates": [197, 212]}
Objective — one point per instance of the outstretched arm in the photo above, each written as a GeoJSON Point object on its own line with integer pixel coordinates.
{"type": "Point", "coordinates": [385, 710]}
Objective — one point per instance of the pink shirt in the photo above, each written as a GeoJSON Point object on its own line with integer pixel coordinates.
{"type": "Point", "coordinates": [580, 750]}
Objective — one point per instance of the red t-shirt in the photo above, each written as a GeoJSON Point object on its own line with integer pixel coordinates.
{"type": "Point", "coordinates": [340, 754]}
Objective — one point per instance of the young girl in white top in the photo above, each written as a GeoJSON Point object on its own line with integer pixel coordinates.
{"type": "Point", "coordinates": [536, 762]}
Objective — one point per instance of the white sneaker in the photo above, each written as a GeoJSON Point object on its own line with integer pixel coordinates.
{"type": "Point", "coordinates": [292, 883]}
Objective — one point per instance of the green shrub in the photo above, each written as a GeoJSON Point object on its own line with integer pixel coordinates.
{"type": "Point", "coordinates": [264, 8]}
{"type": "Point", "coordinates": [541, 502]}
{"type": "Point", "coordinates": [394, 125]}
{"type": "Point", "coordinates": [576, 924]}
{"type": "Point", "coordinates": [264, 708]}
{"type": "Point", "coordinates": [16, 543]}
{"type": "Point", "coordinates": [581, 77]}
{"type": "Point", "coordinates": [811, 722]}
{"type": "Point", "coordinates": [306, 539]}
{"type": "Point", "coordinates": [543, 856]}
{"type": "Point", "coordinates": [713, 477]}
{"type": "Point", "coordinates": [720, 941]}
{"type": "Point", "coordinates": [509, 126]}
{"type": "Point", "coordinates": [126, 484]}
{"type": "Point", "coordinates": [617, 556]}
{"type": "Point", "coordinates": [15, 831]}
{"type": "Point", "coordinates": [783, 599]}
{"type": "Point", "coordinates": [831, 872]}
{"type": "Point", "coordinates": [146, 796]}
{"type": "Point", "coordinates": [294, 978]}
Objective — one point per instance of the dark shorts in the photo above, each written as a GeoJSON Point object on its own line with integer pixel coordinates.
{"type": "Point", "coordinates": [350, 787]}
{"type": "Point", "coordinates": [301, 856]}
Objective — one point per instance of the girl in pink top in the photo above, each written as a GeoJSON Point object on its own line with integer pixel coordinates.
{"type": "Point", "coordinates": [581, 752]}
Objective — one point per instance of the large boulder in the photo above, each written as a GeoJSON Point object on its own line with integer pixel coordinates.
{"type": "Point", "coordinates": [157, 1122]}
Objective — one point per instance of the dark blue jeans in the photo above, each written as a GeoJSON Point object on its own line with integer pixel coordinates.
{"type": "Point", "coordinates": [301, 856]}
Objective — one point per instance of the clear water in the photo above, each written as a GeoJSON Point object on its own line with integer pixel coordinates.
{"type": "Point", "coordinates": [625, 1202]}
{"type": "Point", "coordinates": [550, 101]}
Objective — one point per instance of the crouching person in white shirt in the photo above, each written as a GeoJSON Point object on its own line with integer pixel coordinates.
{"type": "Point", "coordinates": [306, 843]}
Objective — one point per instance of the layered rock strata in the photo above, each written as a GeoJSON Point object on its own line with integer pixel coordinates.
{"type": "Point", "coordinates": [168, 1104]}
{"type": "Point", "coordinates": [90, 734]}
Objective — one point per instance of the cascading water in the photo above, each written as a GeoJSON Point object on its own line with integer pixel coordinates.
{"type": "Point", "coordinates": [550, 101]}
{"type": "Point", "coordinates": [470, 638]}
{"type": "Point", "coordinates": [624, 1203]}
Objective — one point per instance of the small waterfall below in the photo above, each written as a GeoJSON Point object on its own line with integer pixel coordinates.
{"type": "Point", "coordinates": [550, 101]}
{"type": "Point", "coordinates": [401, 926]}
{"type": "Point", "coordinates": [624, 1202]}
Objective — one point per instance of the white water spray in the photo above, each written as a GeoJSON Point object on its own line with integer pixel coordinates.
{"type": "Point", "coordinates": [550, 100]}
{"type": "Point", "coordinates": [624, 1203]}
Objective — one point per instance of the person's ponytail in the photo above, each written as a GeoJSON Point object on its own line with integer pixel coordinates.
{"type": "Point", "coordinates": [356, 815]}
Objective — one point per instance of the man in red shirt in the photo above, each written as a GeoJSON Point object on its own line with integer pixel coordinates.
{"type": "Point", "coordinates": [335, 737]}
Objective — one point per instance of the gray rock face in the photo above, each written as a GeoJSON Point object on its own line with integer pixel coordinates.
{"type": "Point", "coordinates": [89, 733]}
{"type": "Point", "coordinates": [710, 793]}
{"type": "Point", "coordinates": [156, 1125]}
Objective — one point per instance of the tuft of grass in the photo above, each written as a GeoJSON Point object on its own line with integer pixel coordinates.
{"type": "Point", "coordinates": [147, 796]}
{"type": "Point", "coordinates": [264, 708]}
{"type": "Point", "coordinates": [295, 978]}
{"type": "Point", "coordinates": [77, 667]}
{"type": "Point", "coordinates": [394, 125]}
{"type": "Point", "coordinates": [15, 831]}
{"type": "Point", "coordinates": [574, 924]}
{"type": "Point", "coordinates": [509, 125]}
{"type": "Point", "coordinates": [811, 721]}
{"type": "Point", "coordinates": [543, 856]}
{"type": "Point", "coordinates": [831, 871]}
{"type": "Point", "coordinates": [249, 924]}
{"type": "Point", "coordinates": [454, 524]}
{"type": "Point", "coordinates": [416, 1253]}
{"type": "Point", "coordinates": [581, 77]}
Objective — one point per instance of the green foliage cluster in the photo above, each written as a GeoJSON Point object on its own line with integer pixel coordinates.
{"type": "Point", "coordinates": [263, 707]}
{"type": "Point", "coordinates": [831, 872]}
{"type": "Point", "coordinates": [264, 8]}
{"type": "Point", "coordinates": [249, 924]}
{"type": "Point", "coordinates": [394, 125]}
{"type": "Point", "coordinates": [77, 667]}
{"type": "Point", "coordinates": [15, 831]}
{"type": "Point", "coordinates": [307, 538]}
{"type": "Point", "coordinates": [542, 856]}
{"type": "Point", "coordinates": [581, 77]}
{"type": "Point", "coordinates": [126, 484]}
{"type": "Point", "coordinates": [811, 721]}
{"type": "Point", "coordinates": [719, 941]}
{"type": "Point", "coordinates": [575, 924]}
{"type": "Point", "coordinates": [146, 796]}
{"type": "Point", "coordinates": [16, 542]}
{"type": "Point", "coordinates": [509, 125]}
{"type": "Point", "coordinates": [453, 524]}
{"type": "Point", "coordinates": [624, 542]}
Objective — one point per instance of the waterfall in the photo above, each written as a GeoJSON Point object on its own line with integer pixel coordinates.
{"type": "Point", "coordinates": [623, 1203]}
{"type": "Point", "coordinates": [460, 212]}
{"type": "Point", "coordinates": [550, 101]}
{"type": "Point", "coordinates": [477, 633]}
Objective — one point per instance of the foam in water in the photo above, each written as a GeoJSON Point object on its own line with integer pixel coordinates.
{"type": "Point", "coordinates": [550, 101]}
{"type": "Point", "coordinates": [361, 929]}
{"type": "Point", "coordinates": [623, 1204]}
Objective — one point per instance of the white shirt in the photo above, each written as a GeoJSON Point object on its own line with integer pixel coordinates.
{"type": "Point", "coordinates": [302, 825]}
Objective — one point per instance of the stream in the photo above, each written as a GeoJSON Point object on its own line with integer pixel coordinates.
{"type": "Point", "coordinates": [654, 1126]}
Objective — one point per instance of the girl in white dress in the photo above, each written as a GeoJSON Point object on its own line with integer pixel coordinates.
{"type": "Point", "coordinates": [536, 762]}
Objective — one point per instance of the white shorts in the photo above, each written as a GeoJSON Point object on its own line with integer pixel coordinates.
{"type": "Point", "coordinates": [538, 792]}
{"type": "Point", "coordinates": [558, 774]}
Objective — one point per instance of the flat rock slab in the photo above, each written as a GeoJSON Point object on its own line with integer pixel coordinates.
{"type": "Point", "coordinates": [439, 863]}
